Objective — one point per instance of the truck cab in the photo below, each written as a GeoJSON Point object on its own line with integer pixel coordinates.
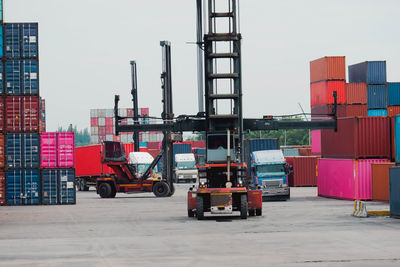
{"type": "Point", "coordinates": [269, 171]}
{"type": "Point", "coordinates": [141, 161]}
{"type": "Point", "coordinates": [185, 168]}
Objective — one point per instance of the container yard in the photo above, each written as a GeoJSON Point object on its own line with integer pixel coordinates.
{"type": "Point", "coordinates": [183, 142]}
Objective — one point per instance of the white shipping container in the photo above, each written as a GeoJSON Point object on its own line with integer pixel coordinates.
{"type": "Point", "coordinates": [102, 121]}
{"type": "Point", "coordinates": [93, 113]}
{"type": "Point", "coordinates": [130, 121]}
{"type": "Point", "coordinates": [122, 112]}
{"type": "Point", "coordinates": [109, 113]}
{"type": "Point", "coordinates": [94, 139]}
{"type": "Point", "coordinates": [94, 130]}
{"type": "Point", "coordinates": [109, 137]}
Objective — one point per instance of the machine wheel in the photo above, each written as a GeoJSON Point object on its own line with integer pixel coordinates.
{"type": "Point", "coordinates": [105, 190]}
{"type": "Point", "coordinates": [113, 193]}
{"type": "Point", "coordinates": [190, 213]}
{"type": "Point", "coordinates": [258, 212]}
{"type": "Point", "coordinates": [78, 184]}
{"type": "Point", "coordinates": [252, 212]}
{"type": "Point", "coordinates": [200, 208]}
{"type": "Point", "coordinates": [84, 186]}
{"type": "Point", "coordinates": [243, 206]}
{"type": "Point", "coordinates": [161, 189]}
{"type": "Point", "coordinates": [172, 190]}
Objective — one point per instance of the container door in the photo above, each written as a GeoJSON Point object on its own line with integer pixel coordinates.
{"type": "Point", "coordinates": [67, 193]}
{"type": "Point", "coordinates": [50, 187]}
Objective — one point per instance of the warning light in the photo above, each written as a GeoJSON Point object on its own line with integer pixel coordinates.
{"type": "Point", "coordinates": [268, 117]}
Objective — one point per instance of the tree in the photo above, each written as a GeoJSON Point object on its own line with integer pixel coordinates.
{"type": "Point", "coordinates": [82, 137]}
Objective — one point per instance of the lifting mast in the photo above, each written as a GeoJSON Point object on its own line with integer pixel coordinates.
{"type": "Point", "coordinates": [135, 104]}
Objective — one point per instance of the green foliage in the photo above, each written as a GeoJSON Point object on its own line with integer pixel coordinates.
{"type": "Point", "coordinates": [82, 137]}
{"type": "Point", "coordinates": [197, 137]}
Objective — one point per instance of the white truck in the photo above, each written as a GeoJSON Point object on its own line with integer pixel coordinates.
{"type": "Point", "coordinates": [269, 172]}
{"type": "Point", "coordinates": [185, 168]}
{"type": "Point", "coordinates": [141, 160]}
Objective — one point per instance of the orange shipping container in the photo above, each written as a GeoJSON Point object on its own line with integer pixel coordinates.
{"type": "Point", "coordinates": [380, 181]}
{"type": "Point", "coordinates": [356, 111]}
{"type": "Point", "coordinates": [356, 93]}
{"type": "Point", "coordinates": [328, 68]}
{"type": "Point", "coordinates": [393, 110]}
{"type": "Point", "coordinates": [322, 93]}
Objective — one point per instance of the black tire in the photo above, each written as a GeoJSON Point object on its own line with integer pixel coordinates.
{"type": "Point", "coordinates": [190, 213]}
{"type": "Point", "coordinates": [243, 206]}
{"type": "Point", "coordinates": [172, 191]}
{"type": "Point", "coordinates": [200, 208]}
{"type": "Point", "coordinates": [105, 190]}
{"type": "Point", "coordinates": [161, 189]}
{"type": "Point", "coordinates": [84, 185]}
{"type": "Point", "coordinates": [113, 193]}
{"type": "Point", "coordinates": [78, 184]}
{"type": "Point", "coordinates": [258, 212]}
{"type": "Point", "coordinates": [252, 212]}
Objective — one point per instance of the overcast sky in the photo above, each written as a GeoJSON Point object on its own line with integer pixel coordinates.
{"type": "Point", "coordinates": [86, 46]}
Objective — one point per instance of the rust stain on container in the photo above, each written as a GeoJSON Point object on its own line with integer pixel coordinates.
{"type": "Point", "coordinates": [380, 181]}
{"type": "Point", "coordinates": [356, 93]}
{"type": "Point", "coordinates": [328, 68]}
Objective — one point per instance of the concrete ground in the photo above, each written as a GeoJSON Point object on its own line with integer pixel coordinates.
{"type": "Point", "coordinates": [141, 230]}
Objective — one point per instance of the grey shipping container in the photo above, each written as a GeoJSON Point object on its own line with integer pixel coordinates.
{"type": "Point", "coordinates": [251, 145]}
{"type": "Point", "coordinates": [394, 191]}
{"type": "Point", "coordinates": [370, 72]}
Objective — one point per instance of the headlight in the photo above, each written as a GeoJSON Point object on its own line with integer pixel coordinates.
{"type": "Point", "coordinates": [180, 176]}
{"type": "Point", "coordinates": [194, 176]}
{"type": "Point", "coordinates": [203, 181]}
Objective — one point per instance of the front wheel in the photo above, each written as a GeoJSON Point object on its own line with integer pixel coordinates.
{"type": "Point", "coordinates": [243, 206]}
{"type": "Point", "coordinates": [200, 208]}
{"type": "Point", "coordinates": [190, 213]}
{"type": "Point", "coordinates": [161, 189]}
{"type": "Point", "coordinates": [105, 190]}
{"type": "Point", "coordinates": [258, 212]}
{"type": "Point", "coordinates": [172, 190]}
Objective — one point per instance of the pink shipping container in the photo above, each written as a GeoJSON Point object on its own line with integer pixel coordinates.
{"type": "Point", "coordinates": [356, 93]}
{"type": "Point", "coordinates": [102, 130]}
{"type": "Point", "coordinates": [316, 142]}
{"type": "Point", "coordinates": [94, 122]}
{"type": "Point", "coordinates": [109, 121]}
{"type": "Point", "coordinates": [57, 150]}
{"type": "Point", "coordinates": [109, 130]}
{"type": "Point", "coordinates": [144, 111]}
{"type": "Point", "coordinates": [346, 178]}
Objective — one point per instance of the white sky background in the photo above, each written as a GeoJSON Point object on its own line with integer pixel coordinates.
{"type": "Point", "coordinates": [86, 46]}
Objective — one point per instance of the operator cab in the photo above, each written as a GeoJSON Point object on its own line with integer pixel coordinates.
{"type": "Point", "coordinates": [113, 152]}
{"type": "Point", "coordinates": [217, 148]}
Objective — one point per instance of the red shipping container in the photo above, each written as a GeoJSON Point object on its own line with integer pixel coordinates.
{"type": "Point", "coordinates": [109, 130]}
{"type": "Point", "coordinates": [322, 92]}
{"type": "Point", "coordinates": [2, 151]}
{"type": "Point", "coordinates": [129, 112]}
{"type": "Point", "coordinates": [22, 113]}
{"type": "Point", "coordinates": [1, 114]}
{"type": "Point", "coordinates": [304, 171]}
{"type": "Point", "coordinates": [356, 111]}
{"type": "Point", "coordinates": [102, 130]}
{"type": "Point", "coordinates": [328, 68]}
{"type": "Point", "coordinates": [144, 112]}
{"type": "Point", "coordinates": [2, 188]}
{"type": "Point", "coordinates": [393, 111]}
{"type": "Point", "coordinates": [88, 161]}
{"type": "Point", "coordinates": [154, 152]}
{"type": "Point", "coordinates": [304, 151]}
{"type": "Point", "coordinates": [117, 138]}
{"type": "Point", "coordinates": [94, 122]}
{"type": "Point", "coordinates": [109, 121]}
{"type": "Point", "coordinates": [380, 180]}
{"type": "Point", "coordinates": [143, 149]}
{"type": "Point", "coordinates": [356, 93]}
{"type": "Point", "coordinates": [322, 112]}
{"type": "Point", "coordinates": [199, 144]}
{"type": "Point", "coordinates": [367, 137]}
{"type": "Point", "coordinates": [153, 145]}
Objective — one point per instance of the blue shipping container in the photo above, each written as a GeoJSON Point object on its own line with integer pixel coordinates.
{"type": "Point", "coordinates": [397, 137]}
{"type": "Point", "coordinates": [50, 186]}
{"type": "Point", "coordinates": [394, 191]}
{"type": "Point", "coordinates": [393, 94]}
{"type": "Point", "coordinates": [143, 144]}
{"type": "Point", "coordinates": [257, 145]}
{"type": "Point", "coordinates": [21, 40]}
{"type": "Point", "coordinates": [370, 72]}
{"type": "Point", "coordinates": [1, 10]}
{"type": "Point", "coordinates": [1, 77]}
{"type": "Point", "coordinates": [22, 77]}
{"type": "Point", "coordinates": [23, 186]}
{"type": "Point", "coordinates": [58, 186]}
{"type": "Point", "coordinates": [377, 96]}
{"type": "Point", "coordinates": [22, 150]}
{"type": "Point", "coordinates": [1, 40]}
{"type": "Point", "coordinates": [377, 113]}
{"type": "Point", "coordinates": [177, 149]}
{"type": "Point", "coordinates": [67, 193]}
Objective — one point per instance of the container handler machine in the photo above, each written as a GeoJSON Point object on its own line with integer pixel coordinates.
{"type": "Point", "coordinates": [223, 187]}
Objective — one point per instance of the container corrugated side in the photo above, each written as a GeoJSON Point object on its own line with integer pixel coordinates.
{"type": "Point", "coordinates": [2, 188]}
{"type": "Point", "coordinates": [2, 77]}
{"type": "Point", "coordinates": [23, 186]}
{"type": "Point", "coordinates": [67, 193]}
{"type": "Point", "coordinates": [396, 137]}
{"type": "Point", "coordinates": [356, 93]}
{"type": "Point", "coordinates": [370, 72]}
{"type": "Point", "coordinates": [393, 94]}
{"type": "Point", "coordinates": [346, 178]}
{"type": "Point", "coordinates": [328, 68]}
{"type": "Point", "coordinates": [22, 150]}
{"type": "Point", "coordinates": [366, 137]}
{"type": "Point", "coordinates": [356, 110]}
{"type": "Point", "coordinates": [304, 171]}
{"type": "Point", "coordinates": [377, 96]}
{"type": "Point", "coordinates": [316, 142]}
{"type": "Point", "coordinates": [48, 150]}
{"type": "Point", "coordinates": [393, 111]}
{"type": "Point", "coordinates": [322, 92]}
{"type": "Point", "coordinates": [380, 180]}
{"type": "Point", "coordinates": [50, 186]}
{"type": "Point", "coordinates": [2, 151]}
{"type": "Point", "coordinates": [394, 191]}
{"type": "Point", "coordinates": [65, 149]}
{"type": "Point", "coordinates": [1, 35]}
{"type": "Point", "coordinates": [377, 113]}
{"type": "Point", "coordinates": [22, 113]}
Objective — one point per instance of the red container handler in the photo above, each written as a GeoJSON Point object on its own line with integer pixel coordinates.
{"type": "Point", "coordinates": [2, 188]}
{"type": "Point", "coordinates": [328, 68]}
{"type": "Point", "coordinates": [366, 137]}
{"type": "Point", "coordinates": [322, 92]}
{"type": "Point", "coordinates": [304, 171]}
{"type": "Point", "coordinates": [22, 113]}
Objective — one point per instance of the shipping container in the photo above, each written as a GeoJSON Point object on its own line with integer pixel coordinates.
{"type": "Point", "coordinates": [251, 145]}
{"type": "Point", "coordinates": [65, 149]}
{"type": "Point", "coordinates": [393, 111]}
{"type": "Point", "coordinates": [88, 160]}
{"type": "Point", "coordinates": [393, 94]}
{"type": "Point", "coordinates": [356, 93]}
{"type": "Point", "coordinates": [322, 92]}
{"type": "Point", "coordinates": [22, 113]}
{"type": "Point", "coordinates": [322, 112]}
{"type": "Point", "coordinates": [346, 178]}
{"type": "Point", "coordinates": [94, 122]}
{"type": "Point", "coordinates": [377, 113]}
{"type": "Point", "coordinates": [396, 138]}
{"type": "Point", "coordinates": [305, 151]}
{"type": "Point", "coordinates": [48, 150]}
{"type": "Point", "coordinates": [367, 137]}
{"type": "Point", "coordinates": [67, 193]}
{"type": "Point", "coordinates": [304, 171]}
{"type": "Point", "coordinates": [23, 186]}
{"type": "Point", "coordinates": [377, 96]}
{"type": "Point", "coordinates": [356, 110]}
{"type": "Point", "coordinates": [2, 114]}
{"type": "Point", "coordinates": [22, 77]}
{"type": "Point", "coordinates": [42, 121]}
{"type": "Point", "coordinates": [328, 68]}
{"type": "Point", "coordinates": [13, 76]}
{"type": "Point", "coordinates": [290, 152]}
{"type": "Point", "coordinates": [2, 76]}
{"type": "Point", "coordinates": [1, 34]}
{"type": "Point", "coordinates": [370, 72]}
{"type": "Point", "coordinates": [21, 40]}
{"type": "Point", "coordinates": [394, 191]}
{"type": "Point", "coordinates": [109, 121]}
{"type": "Point", "coordinates": [316, 142]}
{"type": "Point", "coordinates": [2, 188]}
{"type": "Point", "coordinates": [12, 40]}
{"type": "Point", "coordinates": [380, 180]}
{"type": "Point", "coordinates": [22, 150]}
{"type": "Point", "coordinates": [50, 186]}
{"type": "Point", "coordinates": [181, 148]}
